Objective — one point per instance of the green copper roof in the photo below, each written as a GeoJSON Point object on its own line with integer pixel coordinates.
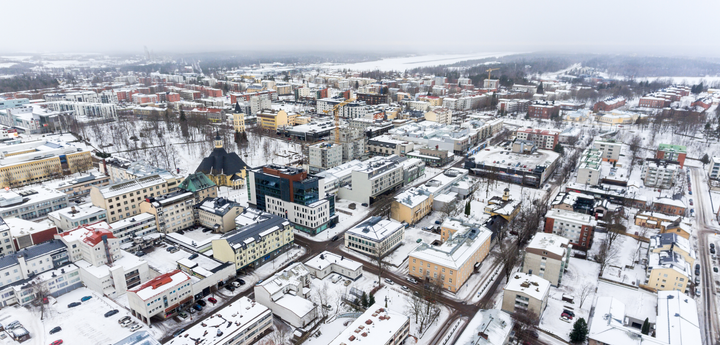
{"type": "Point", "coordinates": [195, 182]}
{"type": "Point", "coordinates": [671, 147]}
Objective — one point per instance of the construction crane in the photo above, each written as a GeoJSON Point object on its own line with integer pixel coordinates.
{"type": "Point", "coordinates": [489, 70]}
{"type": "Point", "coordinates": [336, 113]}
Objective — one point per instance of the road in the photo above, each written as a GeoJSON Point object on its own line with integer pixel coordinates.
{"type": "Point", "coordinates": [706, 225]}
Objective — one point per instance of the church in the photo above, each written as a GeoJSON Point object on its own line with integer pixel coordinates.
{"type": "Point", "coordinates": [223, 168]}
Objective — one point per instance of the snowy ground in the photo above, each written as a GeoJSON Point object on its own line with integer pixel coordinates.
{"type": "Point", "coordinates": [580, 272]}
{"type": "Point", "coordinates": [412, 235]}
{"type": "Point", "coordinates": [405, 63]}
{"type": "Point", "coordinates": [622, 268]}
{"type": "Point", "coordinates": [84, 324]}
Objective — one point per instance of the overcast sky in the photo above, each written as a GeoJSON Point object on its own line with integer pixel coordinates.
{"type": "Point", "coordinates": [438, 26]}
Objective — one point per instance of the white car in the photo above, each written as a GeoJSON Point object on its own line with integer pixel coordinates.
{"type": "Point", "coordinates": [404, 287]}
{"type": "Point", "coordinates": [135, 327]}
{"type": "Point", "coordinates": [389, 282]}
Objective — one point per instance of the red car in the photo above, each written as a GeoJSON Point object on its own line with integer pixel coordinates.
{"type": "Point", "coordinates": [57, 342]}
{"type": "Point", "coordinates": [212, 300]}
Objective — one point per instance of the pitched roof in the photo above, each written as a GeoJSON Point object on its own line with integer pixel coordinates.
{"type": "Point", "coordinates": [221, 162]}
{"type": "Point", "coordinates": [195, 182]}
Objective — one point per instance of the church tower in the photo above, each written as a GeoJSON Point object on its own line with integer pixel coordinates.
{"type": "Point", "coordinates": [218, 140]}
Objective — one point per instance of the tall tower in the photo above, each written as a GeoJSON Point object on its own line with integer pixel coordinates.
{"type": "Point", "coordinates": [218, 140]}
{"type": "Point", "coordinates": [506, 194]}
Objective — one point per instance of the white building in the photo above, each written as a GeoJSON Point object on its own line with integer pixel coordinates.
{"type": "Point", "coordinates": [487, 327]}
{"type": "Point", "coordinates": [163, 296]}
{"type": "Point", "coordinates": [659, 173]}
{"type": "Point", "coordinates": [324, 156]}
{"type": "Point", "coordinates": [610, 148]}
{"type": "Point", "coordinates": [242, 322]}
{"type": "Point", "coordinates": [547, 256]}
{"type": "Point", "coordinates": [88, 110]}
{"type": "Point", "coordinates": [526, 292]}
{"type": "Point", "coordinates": [376, 326]}
{"type": "Point", "coordinates": [6, 239]}
{"type": "Point", "coordinates": [589, 169]}
{"type": "Point", "coordinates": [286, 294]}
{"type": "Point", "coordinates": [368, 179]}
{"type": "Point", "coordinates": [130, 228]}
{"type": "Point", "coordinates": [327, 263]}
{"type": "Point", "coordinates": [40, 202]}
{"type": "Point", "coordinates": [714, 168]}
{"type": "Point", "coordinates": [375, 236]}
{"type": "Point", "coordinates": [71, 217]}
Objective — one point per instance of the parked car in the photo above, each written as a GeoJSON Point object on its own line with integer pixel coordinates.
{"type": "Point", "coordinates": [193, 256]}
{"type": "Point", "coordinates": [438, 222]}
{"type": "Point", "coordinates": [139, 253]}
{"type": "Point", "coordinates": [57, 342]}
{"type": "Point", "coordinates": [712, 250]}
{"type": "Point", "coordinates": [202, 303]}
{"type": "Point", "coordinates": [335, 238]}
{"type": "Point", "coordinates": [411, 279]}
{"type": "Point", "coordinates": [178, 332]}
{"type": "Point", "coordinates": [212, 300]}
{"type": "Point", "coordinates": [404, 287]}
{"type": "Point", "coordinates": [697, 292]}
{"type": "Point", "coordinates": [111, 313]}
{"type": "Point", "coordinates": [207, 230]}
{"type": "Point", "coordinates": [389, 282]}
{"type": "Point", "coordinates": [418, 240]}
{"type": "Point", "coordinates": [197, 307]}
{"type": "Point", "coordinates": [569, 312]}
{"type": "Point", "coordinates": [230, 288]}
{"type": "Point", "coordinates": [135, 327]}
{"type": "Point", "coordinates": [183, 315]}
{"type": "Point", "coordinates": [715, 269]}
{"type": "Point", "coordinates": [364, 204]}
{"type": "Point", "coordinates": [691, 203]}
{"type": "Point", "coordinates": [127, 323]}
{"type": "Point", "coordinates": [74, 304]}
{"type": "Point", "coordinates": [55, 330]}
{"type": "Point", "coordinates": [123, 319]}
{"type": "Point", "coordinates": [712, 245]}
{"type": "Point", "coordinates": [86, 298]}
{"type": "Point", "coordinates": [192, 310]}
{"type": "Point", "coordinates": [242, 282]}
{"type": "Point", "coordinates": [566, 315]}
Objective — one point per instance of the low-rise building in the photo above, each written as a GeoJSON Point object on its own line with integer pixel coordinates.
{"type": "Point", "coordinates": [80, 187]}
{"type": "Point", "coordinates": [327, 263]}
{"type": "Point", "coordinates": [242, 322]}
{"type": "Point", "coordinates": [669, 206]}
{"type": "Point", "coordinates": [258, 237]}
{"type": "Point", "coordinates": [287, 295]}
{"type": "Point", "coordinates": [24, 233]}
{"type": "Point", "coordinates": [547, 256]}
{"type": "Point", "coordinates": [411, 206]}
{"type": "Point", "coordinates": [529, 169]}
{"type": "Point", "coordinates": [577, 227]}
{"type": "Point", "coordinates": [714, 168]}
{"type": "Point", "coordinates": [386, 146]}
{"type": "Point", "coordinates": [451, 263]}
{"type": "Point", "coordinates": [659, 173]}
{"type": "Point", "coordinates": [218, 214]}
{"type": "Point", "coordinates": [376, 326]}
{"type": "Point", "coordinates": [487, 327]}
{"type": "Point", "coordinates": [432, 157]}
{"type": "Point", "coordinates": [526, 292]}
{"type": "Point", "coordinates": [161, 297]}
{"type": "Point", "coordinates": [31, 203]}
{"type": "Point", "coordinates": [375, 236]}
{"type": "Point", "coordinates": [667, 270]}
{"type": "Point", "coordinates": [74, 216]}
{"type": "Point", "coordinates": [543, 110]}
{"type": "Point", "coordinates": [609, 104]}
{"type": "Point", "coordinates": [503, 206]}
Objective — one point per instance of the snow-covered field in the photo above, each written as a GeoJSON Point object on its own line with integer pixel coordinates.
{"type": "Point", "coordinates": [405, 63]}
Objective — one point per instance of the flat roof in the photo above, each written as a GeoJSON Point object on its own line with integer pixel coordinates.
{"type": "Point", "coordinates": [677, 319]}
{"type": "Point", "coordinates": [374, 326]}
{"type": "Point", "coordinates": [550, 242]}
{"type": "Point", "coordinates": [376, 228]}
{"type": "Point", "coordinates": [326, 258]}
{"type": "Point", "coordinates": [529, 284]}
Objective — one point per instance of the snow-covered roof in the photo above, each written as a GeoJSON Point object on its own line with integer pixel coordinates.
{"type": "Point", "coordinates": [550, 242]}
{"type": "Point", "coordinates": [128, 186]}
{"type": "Point", "coordinates": [160, 284]}
{"type": "Point", "coordinates": [326, 259]}
{"type": "Point", "coordinates": [226, 324]}
{"type": "Point", "coordinates": [529, 284]}
{"type": "Point", "coordinates": [457, 250]}
{"type": "Point", "coordinates": [374, 326]}
{"type": "Point", "coordinates": [606, 325]}
{"type": "Point", "coordinates": [494, 324]}
{"type": "Point", "coordinates": [376, 228]}
{"type": "Point", "coordinates": [677, 320]}
{"type": "Point", "coordinates": [669, 202]}
{"type": "Point", "coordinates": [569, 216]}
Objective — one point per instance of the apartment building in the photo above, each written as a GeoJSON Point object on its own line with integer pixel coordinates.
{"type": "Point", "coordinates": [651, 101]}
{"type": "Point", "coordinates": [390, 328]}
{"type": "Point", "coordinates": [31, 203]}
{"type": "Point", "coordinates": [451, 263]}
{"type": "Point", "coordinates": [327, 263]}
{"type": "Point", "coordinates": [543, 110]}
{"type": "Point", "coordinates": [323, 156]}
{"type": "Point", "coordinates": [432, 157]}
{"type": "Point", "coordinates": [714, 168]}
{"type": "Point", "coordinates": [90, 110]}
{"type": "Point", "coordinates": [242, 322]}
{"type": "Point", "coordinates": [122, 200]}
{"type": "Point", "coordinates": [673, 153]}
{"type": "Point", "coordinates": [200, 185]}
{"type": "Point", "coordinates": [659, 173]}
{"type": "Point", "coordinates": [547, 256]}
{"type": "Point", "coordinates": [386, 146]}
{"type": "Point", "coordinates": [94, 243]}
{"type": "Point", "coordinates": [589, 170]}
{"type": "Point", "coordinates": [526, 292]}
{"type": "Point", "coordinates": [411, 206]}
{"type": "Point", "coordinates": [577, 227]}
{"type": "Point", "coordinates": [163, 296]}
{"type": "Point", "coordinates": [610, 148]}
{"type": "Point", "coordinates": [287, 294]}
{"type": "Point", "coordinates": [129, 230]}
{"type": "Point", "coordinates": [673, 242]}
{"type": "Point", "coordinates": [218, 214]}
{"type": "Point", "coordinates": [258, 237]}
{"type": "Point", "coordinates": [294, 194]}
{"type": "Point", "coordinates": [74, 216]}
{"type": "Point", "coordinates": [81, 186]}
{"type": "Point", "coordinates": [173, 212]}
{"type": "Point", "coordinates": [667, 270]}
{"type": "Point", "coordinates": [42, 160]}
{"type": "Point", "coordinates": [609, 104]}
{"type": "Point", "coordinates": [543, 138]}
{"type": "Point", "coordinates": [373, 99]}
{"type": "Point", "coordinates": [439, 115]}
{"type": "Point", "coordinates": [375, 236]}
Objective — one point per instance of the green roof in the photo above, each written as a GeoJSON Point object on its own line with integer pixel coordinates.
{"type": "Point", "coordinates": [671, 147]}
{"type": "Point", "coordinates": [195, 182]}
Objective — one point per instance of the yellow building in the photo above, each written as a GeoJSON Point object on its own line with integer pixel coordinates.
{"type": "Point", "coordinates": [682, 229]}
{"type": "Point", "coordinates": [122, 200]}
{"type": "Point", "coordinates": [239, 122]}
{"type": "Point", "coordinates": [258, 237]}
{"type": "Point", "coordinates": [34, 162]}
{"type": "Point", "coordinates": [617, 118]}
{"type": "Point", "coordinates": [411, 206]}
{"type": "Point", "coordinates": [270, 120]}
{"type": "Point", "coordinates": [218, 214]}
{"type": "Point", "coordinates": [503, 206]}
{"type": "Point", "coordinates": [434, 101]}
{"type": "Point", "coordinates": [671, 241]}
{"type": "Point", "coordinates": [222, 167]}
{"type": "Point", "coordinates": [439, 115]}
{"type": "Point", "coordinates": [451, 263]}
{"type": "Point", "coordinates": [667, 270]}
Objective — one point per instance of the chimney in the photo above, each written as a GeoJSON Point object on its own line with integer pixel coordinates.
{"type": "Point", "coordinates": [483, 335]}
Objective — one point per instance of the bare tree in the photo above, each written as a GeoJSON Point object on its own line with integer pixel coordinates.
{"type": "Point", "coordinates": [377, 258]}
{"type": "Point", "coordinates": [585, 290]}
{"type": "Point", "coordinates": [605, 255]}
{"type": "Point", "coordinates": [635, 146]}
{"type": "Point", "coordinates": [321, 297]}
{"type": "Point", "coordinates": [424, 308]}
{"type": "Point", "coordinates": [509, 257]}
{"type": "Point", "coordinates": [41, 291]}
{"type": "Point", "coordinates": [614, 223]}
{"type": "Point", "coordinates": [525, 325]}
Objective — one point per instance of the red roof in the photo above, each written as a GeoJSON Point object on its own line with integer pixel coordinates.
{"type": "Point", "coordinates": [90, 234]}
{"type": "Point", "coordinates": [156, 282]}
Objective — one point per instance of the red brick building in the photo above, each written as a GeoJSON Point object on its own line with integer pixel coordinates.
{"type": "Point", "coordinates": [609, 104]}
{"type": "Point", "coordinates": [172, 97]}
{"type": "Point", "coordinates": [653, 102]}
{"type": "Point", "coordinates": [669, 206]}
{"type": "Point", "coordinates": [543, 110]}
{"type": "Point", "coordinates": [704, 103]}
{"type": "Point", "coordinates": [373, 99]}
